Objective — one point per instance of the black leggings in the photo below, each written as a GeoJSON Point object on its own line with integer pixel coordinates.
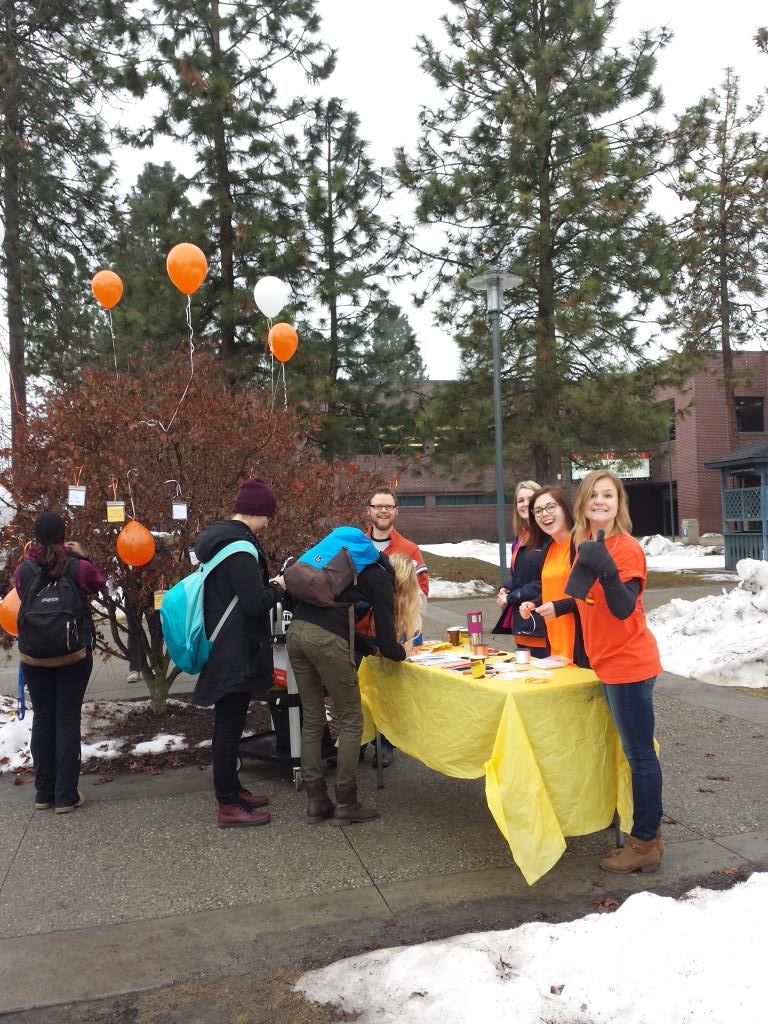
{"type": "Point", "coordinates": [57, 698]}
{"type": "Point", "coordinates": [228, 725]}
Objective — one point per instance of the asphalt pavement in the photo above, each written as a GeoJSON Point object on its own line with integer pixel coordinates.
{"type": "Point", "coordinates": [139, 893]}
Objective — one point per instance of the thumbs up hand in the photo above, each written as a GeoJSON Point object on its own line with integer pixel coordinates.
{"type": "Point", "coordinates": [595, 556]}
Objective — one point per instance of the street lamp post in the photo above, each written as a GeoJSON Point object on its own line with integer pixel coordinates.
{"type": "Point", "coordinates": [494, 283]}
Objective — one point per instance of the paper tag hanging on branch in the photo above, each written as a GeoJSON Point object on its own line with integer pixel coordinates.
{"type": "Point", "coordinates": [115, 511]}
{"type": "Point", "coordinates": [157, 602]}
{"type": "Point", "coordinates": [76, 495]}
{"type": "Point", "coordinates": [193, 559]}
{"type": "Point", "coordinates": [179, 509]}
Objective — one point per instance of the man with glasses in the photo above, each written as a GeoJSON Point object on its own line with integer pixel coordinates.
{"type": "Point", "coordinates": [382, 512]}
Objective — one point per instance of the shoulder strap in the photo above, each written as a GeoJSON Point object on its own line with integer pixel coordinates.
{"type": "Point", "coordinates": [228, 549]}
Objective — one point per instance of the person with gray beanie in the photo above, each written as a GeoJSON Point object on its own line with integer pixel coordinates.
{"type": "Point", "coordinates": [239, 666]}
{"type": "Point", "coordinates": [58, 573]}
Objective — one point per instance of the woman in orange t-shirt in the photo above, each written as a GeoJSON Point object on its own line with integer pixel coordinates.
{"type": "Point", "coordinates": [551, 521]}
{"type": "Point", "coordinates": [607, 581]}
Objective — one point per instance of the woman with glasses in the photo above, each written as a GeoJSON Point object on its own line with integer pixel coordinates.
{"type": "Point", "coordinates": [551, 522]}
{"type": "Point", "coordinates": [607, 581]}
{"type": "Point", "coordinates": [524, 583]}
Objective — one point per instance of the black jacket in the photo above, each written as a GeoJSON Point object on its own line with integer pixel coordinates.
{"type": "Point", "coordinates": [524, 585]}
{"type": "Point", "coordinates": [375, 588]}
{"type": "Point", "coordinates": [241, 658]}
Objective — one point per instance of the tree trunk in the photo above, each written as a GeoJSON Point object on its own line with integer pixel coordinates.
{"type": "Point", "coordinates": [725, 310]}
{"type": "Point", "coordinates": [545, 403]}
{"type": "Point", "coordinates": [9, 153]}
{"type": "Point", "coordinates": [223, 190]}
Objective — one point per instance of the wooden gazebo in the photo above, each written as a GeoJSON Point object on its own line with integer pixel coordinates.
{"type": "Point", "coordinates": [744, 491]}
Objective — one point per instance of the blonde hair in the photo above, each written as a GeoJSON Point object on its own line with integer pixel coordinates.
{"type": "Point", "coordinates": [407, 597]}
{"type": "Point", "coordinates": [622, 524]}
{"type": "Point", "coordinates": [518, 525]}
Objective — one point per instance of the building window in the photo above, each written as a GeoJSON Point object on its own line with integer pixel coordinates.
{"type": "Point", "coordinates": [411, 500]}
{"type": "Point", "coordinates": [749, 416]}
{"type": "Point", "coordinates": [466, 499]}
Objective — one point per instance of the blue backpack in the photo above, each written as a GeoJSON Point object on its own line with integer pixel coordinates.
{"type": "Point", "coordinates": [321, 574]}
{"type": "Point", "coordinates": [181, 613]}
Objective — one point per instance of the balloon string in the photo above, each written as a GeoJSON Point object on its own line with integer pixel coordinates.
{"type": "Point", "coordinates": [285, 389]}
{"type": "Point", "coordinates": [272, 364]}
{"type": "Point", "coordinates": [112, 333]}
{"type": "Point", "coordinates": [191, 366]}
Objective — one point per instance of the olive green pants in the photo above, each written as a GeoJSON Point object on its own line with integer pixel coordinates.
{"type": "Point", "coordinates": [321, 659]}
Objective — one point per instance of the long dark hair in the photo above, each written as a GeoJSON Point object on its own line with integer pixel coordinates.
{"type": "Point", "coordinates": [49, 531]}
{"type": "Point", "coordinates": [537, 537]}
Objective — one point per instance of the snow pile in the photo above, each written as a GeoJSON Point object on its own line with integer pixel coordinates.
{"type": "Point", "coordinates": [482, 550]}
{"type": "Point", "coordinates": [471, 588]}
{"type": "Point", "coordinates": [654, 959]}
{"type": "Point", "coordinates": [723, 639]}
{"type": "Point", "coordinates": [661, 553]}
{"type": "Point", "coordinates": [97, 720]}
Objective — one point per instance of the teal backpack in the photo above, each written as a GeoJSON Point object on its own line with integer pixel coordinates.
{"type": "Point", "coordinates": [181, 613]}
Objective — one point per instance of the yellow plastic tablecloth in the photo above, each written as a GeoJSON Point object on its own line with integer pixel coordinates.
{"type": "Point", "coordinates": [549, 751]}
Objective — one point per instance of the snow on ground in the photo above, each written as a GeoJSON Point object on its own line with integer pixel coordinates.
{"type": "Point", "coordinates": [471, 588]}
{"type": "Point", "coordinates": [720, 639]}
{"type": "Point", "coordinates": [662, 554]}
{"type": "Point", "coordinates": [655, 959]}
{"type": "Point", "coordinates": [97, 719]}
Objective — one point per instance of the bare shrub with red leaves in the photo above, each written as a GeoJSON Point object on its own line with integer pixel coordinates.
{"type": "Point", "coordinates": [108, 431]}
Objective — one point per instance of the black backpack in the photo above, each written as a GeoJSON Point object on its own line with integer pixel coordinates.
{"type": "Point", "coordinates": [51, 617]}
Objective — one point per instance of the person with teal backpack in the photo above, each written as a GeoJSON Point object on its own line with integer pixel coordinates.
{"type": "Point", "coordinates": [236, 642]}
{"type": "Point", "coordinates": [343, 570]}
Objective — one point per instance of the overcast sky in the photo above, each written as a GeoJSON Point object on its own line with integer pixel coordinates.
{"type": "Point", "coordinates": [379, 74]}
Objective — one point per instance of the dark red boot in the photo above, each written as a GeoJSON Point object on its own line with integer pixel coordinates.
{"type": "Point", "coordinates": [245, 796]}
{"type": "Point", "coordinates": [239, 814]}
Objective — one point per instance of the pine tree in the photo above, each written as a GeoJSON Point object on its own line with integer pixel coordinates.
{"type": "Point", "coordinates": [216, 67]}
{"type": "Point", "coordinates": [540, 160]}
{"type": "Point", "coordinates": [721, 299]}
{"type": "Point", "coordinates": [54, 179]}
{"type": "Point", "coordinates": [364, 355]}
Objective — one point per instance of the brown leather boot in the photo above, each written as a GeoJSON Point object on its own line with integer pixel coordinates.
{"type": "Point", "coordinates": [239, 815]}
{"type": "Point", "coordinates": [637, 855]}
{"type": "Point", "coordinates": [348, 810]}
{"type": "Point", "coordinates": [659, 843]}
{"type": "Point", "coordinates": [319, 804]}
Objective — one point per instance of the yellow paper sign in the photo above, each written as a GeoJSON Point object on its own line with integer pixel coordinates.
{"type": "Point", "coordinates": [158, 603]}
{"type": "Point", "coordinates": [115, 511]}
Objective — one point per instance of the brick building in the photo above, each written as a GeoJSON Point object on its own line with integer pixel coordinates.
{"type": "Point", "coordinates": [439, 506]}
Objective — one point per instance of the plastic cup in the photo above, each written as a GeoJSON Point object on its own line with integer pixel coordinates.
{"type": "Point", "coordinates": [522, 657]}
{"type": "Point", "coordinates": [477, 666]}
{"type": "Point", "coordinates": [454, 635]}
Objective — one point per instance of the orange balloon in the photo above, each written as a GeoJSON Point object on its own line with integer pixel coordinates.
{"type": "Point", "coordinates": [9, 612]}
{"type": "Point", "coordinates": [107, 288]}
{"type": "Point", "coordinates": [283, 342]}
{"type": "Point", "coordinates": [135, 544]}
{"type": "Point", "coordinates": [187, 267]}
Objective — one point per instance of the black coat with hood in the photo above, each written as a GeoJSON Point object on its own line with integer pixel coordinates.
{"type": "Point", "coordinates": [241, 657]}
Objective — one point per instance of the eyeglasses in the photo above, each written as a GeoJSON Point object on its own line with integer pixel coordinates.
{"type": "Point", "coordinates": [548, 510]}
{"type": "Point", "coordinates": [383, 508]}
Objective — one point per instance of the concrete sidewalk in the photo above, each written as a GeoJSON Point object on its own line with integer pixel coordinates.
{"type": "Point", "coordinates": [140, 890]}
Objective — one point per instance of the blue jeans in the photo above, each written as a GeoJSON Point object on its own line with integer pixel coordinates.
{"type": "Point", "coordinates": [631, 707]}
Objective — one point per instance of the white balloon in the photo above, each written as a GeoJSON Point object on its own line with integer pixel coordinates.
{"type": "Point", "coordinates": [271, 294]}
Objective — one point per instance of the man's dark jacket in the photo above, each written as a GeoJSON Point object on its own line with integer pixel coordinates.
{"type": "Point", "coordinates": [241, 658]}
